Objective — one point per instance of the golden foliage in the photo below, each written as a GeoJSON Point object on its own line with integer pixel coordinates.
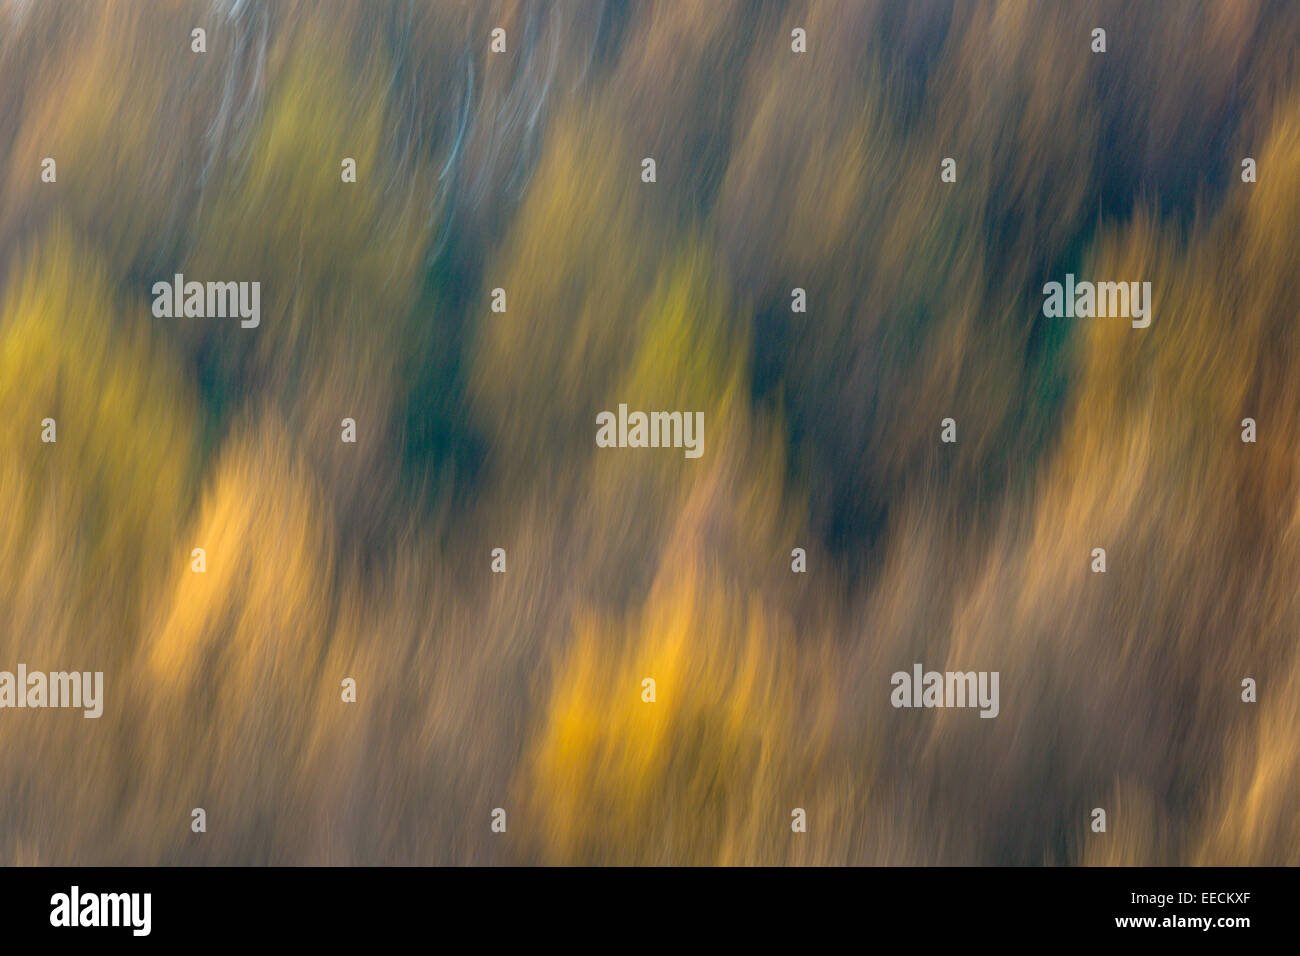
{"type": "Point", "coordinates": [523, 690]}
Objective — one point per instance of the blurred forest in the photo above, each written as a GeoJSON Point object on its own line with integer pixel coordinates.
{"type": "Point", "coordinates": [522, 690]}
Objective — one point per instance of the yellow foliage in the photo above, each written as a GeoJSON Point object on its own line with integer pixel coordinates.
{"type": "Point", "coordinates": [258, 613]}
{"type": "Point", "coordinates": [119, 478]}
{"type": "Point", "coordinates": [698, 775]}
